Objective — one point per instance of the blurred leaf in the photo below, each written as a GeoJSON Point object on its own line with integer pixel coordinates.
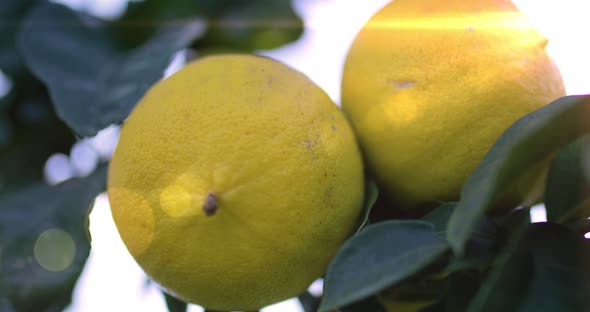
{"type": "Point", "coordinates": [371, 194]}
{"type": "Point", "coordinates": [560, 258]}
{"type": "Point", "coordinates": [174, 304]}
{"type": "Point", "coordinates": [568, 183]}
{"type": "Point", "coordinates": [527, 142]}
{"type": "Point", "coordinates": [5, 304]}
{"type": "Point", "coordinates": [236, 25]}
{"type": "Point", "coordinates": [488, 240]}
{"type": "Point", "coordinates": [439, 217]}
{"type": "Point", "coordinates": [26, 219]}
{"type": "Point", "coordinates": [380, 256]}
{"type": "Point", "coordinates": [370, 304]}
{"type": "Point", "coordinates": [92, 84]}
{"type": "Point", "coordinates": [546, 269]}
{"type": "Point", "coordinates": [461, 287]}
{"type": "Point", "coordinates": [11, 15]}
{"type": "Point", "coordinates": [309, 302]}
{"type": "Point", "coordinates": [36, 133]}
{"type": "Point", "coordinates": [252, 25]}
{"type": "Point", "coordinates": [142, 19]}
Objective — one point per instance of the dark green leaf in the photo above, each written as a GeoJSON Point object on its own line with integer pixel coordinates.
{"type": "Point", "coordinates": [488, 241]}
{"type": "Point", "coordinates": [528, 142]}
{"type": "Point", "coordinates": [370, 304]}
{"type": "Point", "coordinates": [309, 302]}
{"type": "Point", "coordinates": [253, 25]}
{"type": "Point", "coordinates": [142, 19]}
{"type": "Point", "coordinates": [507, 283]}
{"type": "Point", "coordinates": [174, 304]}
{"type": "Point", "coordinates": [11, 15]}
{"type": "Point", "coordinates": [560, 258]}
{"type": "Point", "coordinates": [461, 288]}
{"type": "Point", "coordinates": [92, 84]}
{"type": "Point", "coordinates": [5, 303]}
{"type": "Point", "coordinates": [36, 134]}
{"type": "Point", "coordinates": [22, 161]}
{"type": "Point", "coordinates": [568, 182]}
{"type": "Point", "coordinates": [44, 242]}
{"type": "Point", "coordinates": [439, 217]}
{"type": "Point", "coordinates": [545, 270]}
{"type": "Point", "coordinates": [380, 256]}
{"type": "Point", "coordinates": [371, 194]}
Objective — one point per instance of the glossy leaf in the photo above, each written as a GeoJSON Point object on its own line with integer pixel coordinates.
{"type": "Point", "coordinates": [527, 142]}
{"type": "Point", "coordinates": [568, 182]}
{"type": "Point", "coordinates": [380, 256]}
{"type": "Point", "coordinates": [92, 84]}
{"type": "Point", "coordinates": [44, 242]}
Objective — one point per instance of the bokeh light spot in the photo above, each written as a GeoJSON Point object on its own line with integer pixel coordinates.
{"type": "Point", "coordinates": [84, 158]}
{"type": "Point", "coordinates": [538, 214]}
{"type": "Point", "coordinates": [54, 250]}
{"type": "Point", "coordinates": [58, 169]}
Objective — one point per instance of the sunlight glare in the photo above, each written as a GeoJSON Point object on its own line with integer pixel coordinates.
{"type": "Point", "coordinates": [565, 24]}
{"type": "Point", "coordinates": [538, 214]}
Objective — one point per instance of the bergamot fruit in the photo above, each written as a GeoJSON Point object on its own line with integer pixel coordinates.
{"type": "Point", "coordinates": [235, 181]}
{"type": "Point", "coordinates": [430, 85]}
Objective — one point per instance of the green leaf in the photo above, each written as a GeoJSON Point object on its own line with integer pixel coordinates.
{"type": "Point", "coordinates": [568, 182]}
{"type": "Point", "coordinates": [252, 25]}
{"type": "Point", "coordinates": [371, 194]}
{"type": "Point", "coordinates": [174, 304]}
{"type": "Point", "coordinates": [93, 84]}
{"type": "Point", "coordinates": [36, 134]}
{"type": "Point", "coordinates": [11, 15]}
{"type": "Point", "coordinates": [44, 242]}
{"type": "Point", "coordinates": [527, 142]}
{"type": "Point", "coordinates": [380, 256]}
{"type": "Point", "coordinates": [142, 19]}
{"type": "Point", "coordinates": [5, 304]}
{"type": "Point", "coordinates": [560, 258]}
{"type": "Point", "coordinates": [370, 304]}
{"type": "Point", "coordinates": [546, 269]}
{"type": "Point", "coordinates": [439, 217]}
{"type": "Point", "coordinates": [462, 287]}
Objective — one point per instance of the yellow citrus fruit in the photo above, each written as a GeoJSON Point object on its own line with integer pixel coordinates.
{"type": "Point", "coordinates": [430, 85]}
{"type": "Point", "coordinates": [404, 306]}
{"type": "Point", "coordinates": [235, 181]}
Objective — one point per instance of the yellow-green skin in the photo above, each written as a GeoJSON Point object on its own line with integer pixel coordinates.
{"type": "Point", "coordinates": [404, 306]}
{"type": "Point", "coordinates": [278, 162]}
{"type": "Point", "coordinates": [430, 85]}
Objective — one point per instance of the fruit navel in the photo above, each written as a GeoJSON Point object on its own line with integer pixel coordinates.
{"type": "Point", "coordinates": [210, 206]}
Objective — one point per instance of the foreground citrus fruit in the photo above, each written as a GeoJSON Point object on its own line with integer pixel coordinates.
{"type": "Point", "coordinates": [235, 181]}
{"type": "Point", "coordinates": [430, 85]}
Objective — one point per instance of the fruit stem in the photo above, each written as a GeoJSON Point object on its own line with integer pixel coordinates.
{"type": "Point", "coordinates": [210, 206]}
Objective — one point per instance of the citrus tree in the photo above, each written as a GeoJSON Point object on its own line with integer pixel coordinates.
{"type": "Point", "coordinates": [443, 233]}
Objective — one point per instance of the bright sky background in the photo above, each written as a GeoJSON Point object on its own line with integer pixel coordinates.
{"type": "Point", "coordinates": [112, 281]}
